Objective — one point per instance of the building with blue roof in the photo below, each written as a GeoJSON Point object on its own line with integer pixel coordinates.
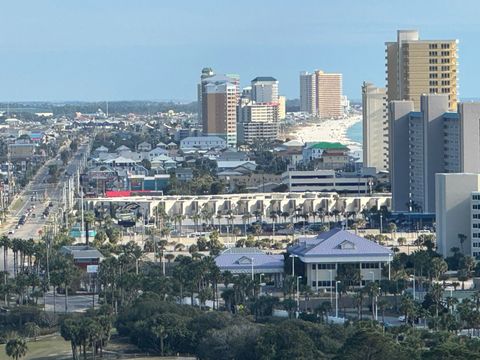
{"type": "Point", "coordinates": [323, 255]}
{"type": "Point", "coordinates": [252, 261]}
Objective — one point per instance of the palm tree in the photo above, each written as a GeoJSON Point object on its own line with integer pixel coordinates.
{"type": "Point", "coordinates": [373, 291]}
{"type": "Point", "coordinates": [161, 333]}
{"type": "Point", "coordinates": [246, 220]}
{"type": "Point", "coordinates": [451, 302]}
{"type": "Point", "coordinates": [258, 215]}
{"type": "Point", "coordinates": [323, 309]}
{"type": "Point", "coordinates": [273, 216]}
{"type": "Point", "coordinates": [236, 233]}
{"type": "Point", "coordinates": [382, 304]}
{"type": "Point", "coordinates": [408, 307]}
{"type": "Point", "coordinates": [219, 218]}
{"type": "Point", "coordinates": [321, 214]}
{"type": "Point", "coordinates": [16, 348]}
{"type": "Point", "coordinates": [436, 293]}
{"type": "Point", "coordinates": [358, 300]}
{"type": "Point", "coordinates": [392, 229]}
{"type": "Point", "coordinates": [228, 296]}
{"type": "Point", "coordinates": [6, 244]}
{"type": "Point", "coordinates": [32, 330]}
{"type": "Point", "coordinates": [89, 219]}
{"type": "Point", "coordinates": [169, 257]}
{"type": "Point", "coordinates": [16, 247]}
{"type": "Point", "coordinates": [179, 247]}
{"type": "Point", "coordinates": [230, 220]}
{"type": "Point", "coordinates": [178, 220]}
{"type": "Point", "coordinates": [462, 238]}
{"type": "Point", "coordinates": [195, 217]}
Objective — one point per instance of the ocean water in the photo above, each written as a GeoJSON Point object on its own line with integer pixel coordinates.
{"type": "Point", "coordinates": [355, 132]}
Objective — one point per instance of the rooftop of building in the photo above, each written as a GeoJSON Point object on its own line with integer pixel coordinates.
{"type": "Point", "coordinates": [82, 252]}
{"type": "Point", "coordinates": [202, 138]}
{"type": "Point", "coordinates": [337, 242]}
{"type": "Point", "coordinates": [324, 145]}
{"type": "Point", "coordinates": [242, 258]}
{"type": "Point", "coordinates": [293, 143]}
{"type": "Point", "coordinates": [264, 78]}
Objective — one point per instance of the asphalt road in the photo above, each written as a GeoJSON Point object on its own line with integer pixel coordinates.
{"type": "Point", "coordinates": [38, 194]}
{"type": "Point", "coordinates": [76, 303]}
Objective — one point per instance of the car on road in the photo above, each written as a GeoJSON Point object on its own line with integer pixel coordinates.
{"type": "Point", "coordinates": [11, 232]}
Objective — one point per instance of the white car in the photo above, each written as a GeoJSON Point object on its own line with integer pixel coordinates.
{"type": "Point", "coordinates": [401, 318]}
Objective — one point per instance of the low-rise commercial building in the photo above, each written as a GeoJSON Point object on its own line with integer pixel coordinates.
{"type": "Point", "coordinates": [142, 182]}
{"type": "Point", "coordinates": [252, 261]}
{"type": "Point", "coordinates": [327, 255]}
{"type": "Point", "coordinates": [316, 150]}
{"type": "Point", "coordinates": [21, 151]}
{"type": "Point", "coordinates": [203, 143]}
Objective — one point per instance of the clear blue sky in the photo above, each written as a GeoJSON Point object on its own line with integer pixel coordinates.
{"type": "Point", "coordinates": [155, 49]}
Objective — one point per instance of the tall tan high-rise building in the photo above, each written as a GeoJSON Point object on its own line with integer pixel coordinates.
{"type": "Point", "coordinates": [329, 94]}
{"type": "Point", "coordinates": [321, 94]}
{"type": "Point", "coordinates": [220, 94]}
{"type": "Point", "coordinates": [415, 67]}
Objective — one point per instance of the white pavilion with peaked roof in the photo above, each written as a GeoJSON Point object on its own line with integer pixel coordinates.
{"type": "Point", "coordinates": [324, 254]}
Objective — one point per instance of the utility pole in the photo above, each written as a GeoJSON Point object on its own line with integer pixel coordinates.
{"type": "Point", "coordinates": [82, 225]}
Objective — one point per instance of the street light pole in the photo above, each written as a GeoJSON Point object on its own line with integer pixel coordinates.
{"type": "Point", "coordinates": [336, 298]}
{"type": "Point", "coordinates": [252, 268]}
{"type": "Point", "coordinates": [414, 287]}
{"type": "Point", "coordinates": [331, 287]}
{"type": "Point", "coordinates": [292, 256]}
{"type": "Point", "coordinates": [389, 261]}
{"type": "Point", "coordinates": [260, 285]}
{"type": "Point", "coordinates": [298, 294]}
{"type": "Point", "coordinates": [374, 299]}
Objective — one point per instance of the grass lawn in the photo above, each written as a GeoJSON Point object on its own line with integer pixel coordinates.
{"type": "Point", "coordinates": [55, 348]}
{"type": "Point", "coordinates": [51, 348]}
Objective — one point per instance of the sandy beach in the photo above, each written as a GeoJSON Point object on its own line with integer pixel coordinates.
{"type": "Point", "coordinates": [327, 130]}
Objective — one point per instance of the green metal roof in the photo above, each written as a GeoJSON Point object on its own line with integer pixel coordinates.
{"type": "Point", "coordinates": [328, 145]}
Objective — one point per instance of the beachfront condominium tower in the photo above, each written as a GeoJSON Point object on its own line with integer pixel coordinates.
{"type": "Point", "coordinates": [415, 67]}
{"type": "Point", "coordinates": [257, 121]}
{"type": "Point", "coordinates": [426, 142]}
{"type": "Point", "coordinates": [308, 93]}
{"type": "Point", "coordinates": [206, 73]}
{"type": "Point", "coordinates": [328, 95]}
{"type": "Point", "coordinates": [321, 94]}
{"type": "Point", "coordinates": [220, 94]}
{"type": "Point", "coordinates": [457, 198]}
{"type": "Point", "coordinates": [375, 127]}
{"type": "Point", "coordinates": [265, 89]}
